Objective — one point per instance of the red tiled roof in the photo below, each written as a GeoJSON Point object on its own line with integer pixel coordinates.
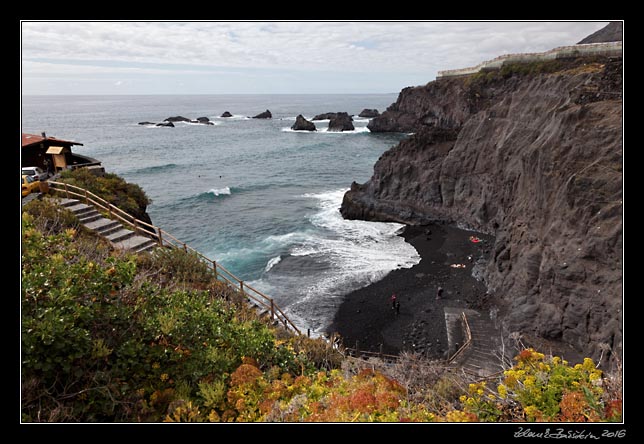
{"type": "Point", "coordinates": [32, 139]}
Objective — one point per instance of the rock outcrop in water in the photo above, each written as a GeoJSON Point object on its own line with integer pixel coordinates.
{"type": "Point", "coordinates": [226, 114]}
{"type": "Point", "coordinates": [265, 115]}
{"type": "Point", "coordinates": [531, 154]}
{"type": "Point", "coordinates": [301, 124]}
{"type": "Point", "coordinates": [177, 119]}
{"type": "Point", "coordinates": [341, 122]}
{"type": "Point", "coordinates": [369, 113]}
{"type": "Point", "coordinates": [325, 116]}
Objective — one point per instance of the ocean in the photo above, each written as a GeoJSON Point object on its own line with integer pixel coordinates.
{"type": "Point", "coordinates": [254, 195]}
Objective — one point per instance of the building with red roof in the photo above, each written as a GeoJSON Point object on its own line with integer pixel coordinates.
{"type": "Point", "coordinates": [53, 154]}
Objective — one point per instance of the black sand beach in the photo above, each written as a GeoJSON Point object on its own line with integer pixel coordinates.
{"type": "Point", "coordinates": [366, 320]}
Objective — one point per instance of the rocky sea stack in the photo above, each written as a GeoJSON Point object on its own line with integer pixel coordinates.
{"type": "Point", "coordinates": [226, 114]}
{"type": "Point", "coordinates": [341, 122]}
{"type": "Point", "coordinates": [531, 154]}
{"type": "Point", "coordinates": [301, 124]}
{"type": "Point", "coordinates": [369, 113]}
{"type": "Point", "coordinates": [265, 115]}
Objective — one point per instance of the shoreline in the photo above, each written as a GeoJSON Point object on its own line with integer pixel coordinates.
{"type": "Point", "coordinates": [366, 320]}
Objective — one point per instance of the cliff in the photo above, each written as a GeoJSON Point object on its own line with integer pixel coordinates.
{"type": "Point", "coordinates": [612, 32]}
{"type": "Point", "coordinates": [532, 154]}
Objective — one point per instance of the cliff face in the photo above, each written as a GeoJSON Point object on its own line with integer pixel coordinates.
{"type": "Point", "coordinates": [534, 159]}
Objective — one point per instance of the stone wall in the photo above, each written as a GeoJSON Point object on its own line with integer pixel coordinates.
{"type": "Point", "coordinates": [611, 49]}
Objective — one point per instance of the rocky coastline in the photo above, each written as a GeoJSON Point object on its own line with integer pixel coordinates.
{"type": "Point", "coordinates": [533, 157]}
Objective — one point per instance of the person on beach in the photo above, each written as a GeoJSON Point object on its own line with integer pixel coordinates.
{"type": "Point", "coordinates": [393, 301]}
{"type": "Point", "coordinates": [397, 305]}
{"type": "Point", "coordinates": [439, 293]}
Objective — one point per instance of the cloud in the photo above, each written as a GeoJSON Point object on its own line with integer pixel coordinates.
{"type": "Point", "coordinates": [371, 48]}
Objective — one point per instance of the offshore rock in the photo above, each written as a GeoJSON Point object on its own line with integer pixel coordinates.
{"type": "Point", "coordinates": [226, 114]}
{"type": "Point", "coordinates": [265, 115]}
{"type": "Point", "coordinates": [325, 116]}
{"type": "Point", "coordinates": [341, 122]}
{"type": "Point", "coordinates": [177, 119]}
{"type": "Point", "coordinates": [204, 121]}
{"type": "Point", "coordinates": [301, 124]}
{"type": "Point", "coordinates": [534, 159]}
{"type": "Point", "coordinates": [369, 113]}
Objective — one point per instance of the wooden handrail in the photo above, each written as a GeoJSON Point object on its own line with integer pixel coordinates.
{"type": "Point", "coordinates": [165, 239]}
{"type": "Point", "coordinates": [468, 335]}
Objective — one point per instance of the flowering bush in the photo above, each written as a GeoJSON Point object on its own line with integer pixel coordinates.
{"type": "Point", "coordinates": [537, 388]}
{"type": "Point", "coordinates": [103, 341]}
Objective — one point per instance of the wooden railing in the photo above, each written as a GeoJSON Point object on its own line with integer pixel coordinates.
{"type": "Point", "coordinates": [468, 339]}
{"type": "Point", "coordinates": [165, 239]}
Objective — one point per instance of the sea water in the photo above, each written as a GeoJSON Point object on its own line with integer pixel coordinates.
{"type": "Point", "coordinates": [254, 195]}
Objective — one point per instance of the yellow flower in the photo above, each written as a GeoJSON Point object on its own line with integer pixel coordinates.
{"type": "Point", "coordinates": [163, 377]}
{"type": "Point", "coordinates": [531, 411]}
{"type": "Point", "coordinates": [502, 390]}
{"type": "Point", "coordinates": [588, 364]}
{"type": "Point", "coordinates": [155, 365]}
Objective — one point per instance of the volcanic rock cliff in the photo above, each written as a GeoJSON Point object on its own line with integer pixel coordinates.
{"type": "Point", "coordinates": [531, 154]}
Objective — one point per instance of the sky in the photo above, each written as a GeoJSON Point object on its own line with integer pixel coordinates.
{"type": "Point", "coordinates": [277, 57]}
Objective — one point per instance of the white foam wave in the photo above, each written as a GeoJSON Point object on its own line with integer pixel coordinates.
{"type": "Point", "coordinates": [357, 130]}
{"type": "Point", "coordinates": [219, 191]}
{"type": "Point", "coordinates": [274, 261]}
{"type": "Point", "coordinates": [353, 254]}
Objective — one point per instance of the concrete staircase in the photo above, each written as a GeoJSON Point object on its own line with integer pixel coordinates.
{"type": "Point", "coordinates": [479, 358]}
{"type": "Point", "coordinates": [119, 236]}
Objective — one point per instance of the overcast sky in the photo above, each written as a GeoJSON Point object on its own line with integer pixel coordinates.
{"type": "Point", "coordinates": [267, 57]}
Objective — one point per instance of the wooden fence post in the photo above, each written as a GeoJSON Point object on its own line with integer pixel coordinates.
{"type": "Point", "coordinates": [160, 238]}
{"type": "Point", "coordinates": [272, 309]}
{"type": "Point", "coordinates": [66, 190]}
{"type": "Point", "coordinates": [214, 268]}
{"type": "Point", "coordinates": [241, 286]}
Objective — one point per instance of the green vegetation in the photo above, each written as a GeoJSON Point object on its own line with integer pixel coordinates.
{"type": "Point", "coordinates": [127, 196]}
{"type": "Point", "coordinates": [115, 337]}
{"type": "Point", "coordinates": [519, 69]}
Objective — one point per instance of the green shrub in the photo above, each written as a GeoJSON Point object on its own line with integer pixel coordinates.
{"type": "Point", "coordinates": [129, 197]}
{"type": "Point", "coordinates": [103, 342]}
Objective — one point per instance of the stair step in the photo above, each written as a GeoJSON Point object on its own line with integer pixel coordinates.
{"type": "Point", "coordinates": [66, 202]}
{"type": "Point", "coordinates": [80, 208]}
{"type": "Point", "coordinates": [120, 235]}
{"type": "Point", "coordinates": [147, 246]}
{"type": "Point", "coordinates": [89, 217]}
{"type": "Point", "coordinates": [132, 242]}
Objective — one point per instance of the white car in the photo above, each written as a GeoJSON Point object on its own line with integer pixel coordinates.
{"type": "Point", "coordinates": [36, 172]}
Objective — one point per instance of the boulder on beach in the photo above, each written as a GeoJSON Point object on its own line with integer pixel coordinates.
{"type": "Point", "coordinates": [369, 113]}
{"type": "Point", "coordinates": [177, 119]}
{"type": "Point", "coordinates": [265, 115]}
{"type": "Point", "coordinates": [226, 114]}
{"type": "Point", "coordinates": [301, 124]}
{"type": "Point", "coordinates": [341, 122]}
{"type": "Point", "coordinates": [170, 124]}
{"type": "Point", "coordinates": [147, 123]}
